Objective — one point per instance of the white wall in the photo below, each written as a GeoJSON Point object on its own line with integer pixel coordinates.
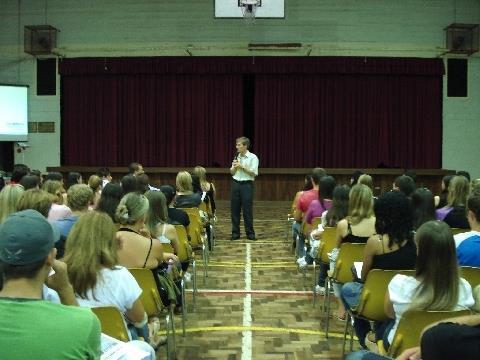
{"type": "Point", "coordinates": [160, 27]}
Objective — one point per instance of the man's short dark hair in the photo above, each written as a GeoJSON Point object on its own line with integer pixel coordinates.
{"type": "Point", "coordinates": [412, 174]}
{"type": "Point", "coordinates": [169, 192]}
{"type": "Point", "coordinates": [30, 182]}
{"type": "Point", "coordinates": [142, 183]}
{"type": "Point", "coordinates": [317, 174]}
{"type": "Point", "coordinates": [405, 184]}
{"type": "Point", "coordinates": [19, 171]}
{"type": "Point", "coordinates": [11, 272]}
{"type": "Point", "coordinates": [103, 172]}
{"type": "Point", "coordinates": [129, 184]}
{"type": "Point", "coordinates": [54, 176]}
{"type": "Point", "coordinates": [473, 204]}
{"type": "Point", "coordinates": [464, 173]}
{"type": "Point", "coordinates": [134, 166]}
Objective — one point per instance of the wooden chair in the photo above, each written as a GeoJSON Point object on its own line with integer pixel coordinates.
{"type": "Point", "coordinates": [328, 242]}
{"type": "Point", "coordinates": [207, 208]}
{"type": "Point", "coordinates": [112, 322]}
{"type": "Point", "coordinates": [183, 255]}
{"type": "Point", "coordinates": [349, 253]}
{"type": "Point", "coordinates": [153, 305]}
{"type": "Point", "coordinates": [197, 239]}
{"type": "Point", "coordinates": [471, 274]}
{"type": "Point", "coordinates": [370, 306]}
{"type": "Point", "coordinates": [411, 326]}
{"type": "Point", "coordinates": [456, 231]}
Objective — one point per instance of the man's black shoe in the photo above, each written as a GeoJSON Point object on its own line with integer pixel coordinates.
{"type": "Point", "coordinates": [252, 237]}
{"type": "Point", "coordinates": [235, 237]}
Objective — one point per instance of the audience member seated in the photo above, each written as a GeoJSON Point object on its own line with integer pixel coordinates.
{"type": "Point", "coordinates": [135, 169]}
{"type": "Point", "coordinates": [56, 176]}
{"type": "Point", "coordinates": [411, 174]}
{"type": "Point", "coordinates": [96, 277]}
{"type": "Point", "coordinates": [58, 210]}
{"type": "Point", "coordinates": [175, 216]}
{"type": "Point", "coordinates": [468, 243]}
{"type": "Point", "coordinates": [367, 180]}
{"type": "Point", "coordinates": [95, 184]}
{"type": "Point", "coordinates": [454, 214]}
{"type": "Point", "coordinates": [73, 178]}
{"type": "Point", "coordinates": [391, 248]}
{"type": "Point", "coordinates": [109, 199]}
{"type": "Point", "coordinates": [207, 187]}
{"type": "Point", "coordinates": [129, 184]}
{"type": "Point", "coordinates": [330, 218]}
{"type": "Point", "coordinates": [357, 227]}
{"type": "Point", "coordinates": [355, 176]}
{"type": "Point", "coordinates": [186, 198]}
{"type": "Point", "coordinates": [9, 197]}
{"type": "Point", "coordinates": [36, 199]}
{"type": "Point", "coordinates": [303, 203]}
{"type": "Point", "coordinates": [19, 171]}
{"type": "Point", "coordinates": [79, 198]}
{"type": "Point", "coordinates": [436, 260]}
{"type": "Point", "coordinates": [308, 185]}
{"type": "Point", "coordinates": [32, 327]}
{"type": "Point", "coordinates": [404, 184]}
{"type": "Point", "coordinates": [136, 247]}
{"type": "Point", "coordinates": [142, 183]}
{"type": "Point", "coordinates": [423, 207]}
{"type": "Point", "coordinates": [441, 200]}
{"type": "Point", "coordinates": [30, 182]}
{"type": "Point", "coordinates": [463, 173]}
{"type": "Point", "coordinates": [104, 174]}
{"type": "Point", "coordinates": [324, 202]}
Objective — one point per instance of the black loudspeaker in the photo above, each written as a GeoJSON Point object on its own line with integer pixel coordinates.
{"type": "Point", "coordinates": [457, 83]}
{"type": "Point", "coordinates": [47, 76]}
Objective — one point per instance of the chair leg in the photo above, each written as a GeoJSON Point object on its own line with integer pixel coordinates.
{"type": "Point", "coordinates": [314, 283]}
{"type": "Point", "coordinates": [172, 328]}
{"type": "Point", "coordinates": [345, 333]}
{"type": "Point", "coordinates": [327, 313]}
{"type": "Point", "coordinates": [205, 273]}
{"type": "Point", "coordinates": [184, 308]}
{"type": "Point", "coordinates": [194, 282]}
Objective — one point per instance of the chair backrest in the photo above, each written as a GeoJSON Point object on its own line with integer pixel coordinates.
{"type": "Point", "coordinates": [456, 231]}
{"type": "Point", "coordinates": [329, 240]}
{"type": "Point", "coordinates": [112, 322]}
{"type": "Point", "coordinates": [471, 274]}
{"type": "Point", "coordinates": [183, 253]}
{"type": "Point", "coordinates": [316, 221]}
{"type": "Point", "coordinates": [411, 326]}
{"type": "Point", "coordinates": [195, 227]}
{"type": "Point", "coordinates": [349, 253]}
{"type": "Point", "coordinates": [150, 297]}
{"type": "Point", "coordinates": [372, 297]}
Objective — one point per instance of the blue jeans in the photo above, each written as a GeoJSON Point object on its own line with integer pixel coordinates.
{"type": "Point", "coordinates": [350, 296]}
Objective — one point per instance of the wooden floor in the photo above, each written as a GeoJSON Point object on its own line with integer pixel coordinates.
{"type": "Point", "coordinates": [255, 304]}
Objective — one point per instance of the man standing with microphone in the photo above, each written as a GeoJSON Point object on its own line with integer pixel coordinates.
{"type": "Point", "coordinates": [244, 169]}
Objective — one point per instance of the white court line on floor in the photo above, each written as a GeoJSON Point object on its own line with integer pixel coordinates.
{"type": "Point", "coordinates": [240, 291]}
{"type": "Point", "coordinates": [247, 308]}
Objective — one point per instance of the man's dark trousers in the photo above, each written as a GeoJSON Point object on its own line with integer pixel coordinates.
{"type": "Point", "coordinates": [242, 199]}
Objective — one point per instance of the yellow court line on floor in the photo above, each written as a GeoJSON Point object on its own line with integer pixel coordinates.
{"type": "Point", "coordinates": [261, 263]}
{"type": "Point", "coordinates": [292, 266]}
{"type": "Point", "coordinates": [262, 328]}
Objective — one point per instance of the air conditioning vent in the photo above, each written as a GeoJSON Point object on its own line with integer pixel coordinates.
{"type": "Point", "coordinates": [461, 38]}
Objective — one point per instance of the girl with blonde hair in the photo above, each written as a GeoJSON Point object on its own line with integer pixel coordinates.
{"type": "Point", "coordinates": [207, 187]}
{"type": "Point", "coordinates": [186, 198]}
{"type": "Point", "coordinates": [137, 248]}
{"type": "Point", "coordinates": [58, 210]}
{"type": "Point", "coordinates": [454, 213]}
{"type": "Point", "coordinates": [9, 197]}
{"type": "Point", "coordinates": [96, 277]}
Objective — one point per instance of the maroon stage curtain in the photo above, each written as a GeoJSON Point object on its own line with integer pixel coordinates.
{"type": "Point", "coordinates": [158, 120]}
{"type": "Point", "coordinates": [354, 121]}
{"type": "Point", "coordinates": [308, 111]}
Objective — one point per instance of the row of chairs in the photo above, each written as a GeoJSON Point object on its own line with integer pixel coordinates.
{"type": "Point", "coordinates": [194, 238]}
{"type": "Point", "coordinates": [372, 297]}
